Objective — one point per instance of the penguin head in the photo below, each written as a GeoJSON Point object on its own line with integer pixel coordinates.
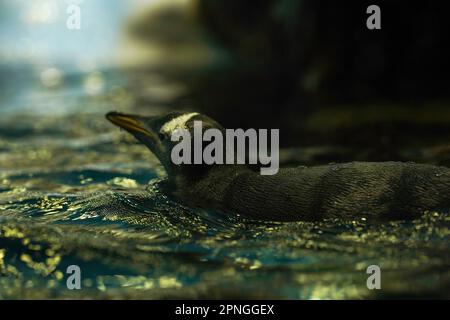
{"type": "Point", "coordinates": [155, 132]}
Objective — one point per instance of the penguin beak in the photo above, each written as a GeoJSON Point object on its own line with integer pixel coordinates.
{"type": "Point", "coordinates": [133, 124]}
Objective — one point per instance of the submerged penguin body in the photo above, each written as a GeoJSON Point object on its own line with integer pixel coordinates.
{"type": "Point", "coordinates": [359, 189]}
{"type": "Point", "coordinates": [386, 190]}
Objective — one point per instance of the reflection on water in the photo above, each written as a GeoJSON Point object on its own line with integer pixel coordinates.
{"type": "Point", "coordinates": [75, 190]}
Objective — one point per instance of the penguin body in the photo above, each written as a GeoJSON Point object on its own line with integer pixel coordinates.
{"type": "Point", "coordinates": [385, 190]}
{"type": "Point", "coordinates": [360, 189]}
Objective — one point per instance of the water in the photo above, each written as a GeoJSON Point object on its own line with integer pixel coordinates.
{"type": "Point", "coordinates": [76, 190]}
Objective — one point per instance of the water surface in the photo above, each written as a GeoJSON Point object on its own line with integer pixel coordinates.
{"type": "Point", "coordinates": [76, 190]}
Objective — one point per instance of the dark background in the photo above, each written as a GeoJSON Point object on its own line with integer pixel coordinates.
{"type": "Point", "coordinates": [314, 70]}
{"type": "Point", "coordinates": [335, 89]}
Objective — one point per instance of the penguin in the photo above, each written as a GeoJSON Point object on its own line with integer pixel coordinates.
{"type": "Point", "coordinates": [372, 190]}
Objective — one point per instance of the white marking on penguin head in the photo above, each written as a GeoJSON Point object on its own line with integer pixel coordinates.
{"type": "Point", "coordinates": [177, 123]}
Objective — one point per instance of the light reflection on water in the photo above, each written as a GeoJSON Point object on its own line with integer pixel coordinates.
{"type": "Point", "coordinates": [75, 190]}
